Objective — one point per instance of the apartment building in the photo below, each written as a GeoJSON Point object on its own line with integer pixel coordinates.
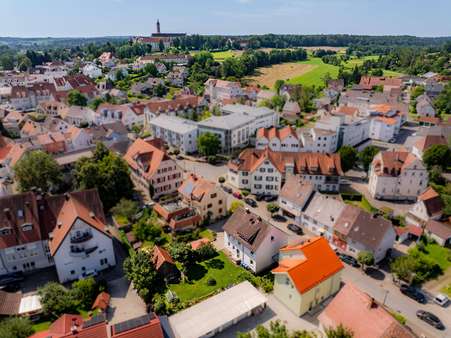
{"type": "Point", "coordinates": [175, 132]}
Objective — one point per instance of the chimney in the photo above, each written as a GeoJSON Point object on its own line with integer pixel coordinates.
{"type": "Point", "coordinates": [59, 224]}
{"type": "Point", "coordinates": [372, 303]}
{"type": "Point", "coordinates": [247, 211]}
{"type": "Point", "coordinates": [74, 327]}
{"type": "Point", "coordinates": [92, 215]}
{"type": "Point", "coordinates": [66, 196]}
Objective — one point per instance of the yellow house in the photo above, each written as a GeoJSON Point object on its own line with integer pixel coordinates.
{"type": "Point", "coordinates": [307, 274]}
{"type": "Point", "coordinates": [204, 195]}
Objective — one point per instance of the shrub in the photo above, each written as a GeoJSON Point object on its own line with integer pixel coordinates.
{"type": "Point", "coordinates": [211, 282]}
{"type": "Point", "coordinates": [221, 179]}
{"type": "Point", "coordinates": [205, 252]}
{"type": "Point", "coordinates": [245, 192]}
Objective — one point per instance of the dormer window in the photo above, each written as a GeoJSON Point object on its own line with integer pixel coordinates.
{"type": "Point", "coordinates": [27, 227]}
{"type": "Point", "coordinates": [5, 231]}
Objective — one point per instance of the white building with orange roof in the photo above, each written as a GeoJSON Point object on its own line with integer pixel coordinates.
{"type": "Point", "coordinates": [397, 175]}
{"type": "Point", "coordinates": [386, 121]}
{"type": "Point", "coordinates": [77, 138]}
{"type": "Point", "coordinates": [307, 275]}
{"type": "Point", "coordinates": [424, 142]}
{"type": "Point", "coordinates": [129, 114]}
{"type": "Point", "coordinates": [429, 206]}
{"type": "Point", "coordinates": [218, 90]}
{"type": "Point", "coordinates": [284, 139]}
{"type": "Point", "coordinates": [152, 170]}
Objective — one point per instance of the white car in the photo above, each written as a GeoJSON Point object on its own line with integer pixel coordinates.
{"type": "Point", "coordinates": [441, 299]}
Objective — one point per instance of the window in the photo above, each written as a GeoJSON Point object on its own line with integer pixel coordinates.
{"type": "Point", "coordinates": [262, 170]}
{"type": "Point", "coordinates": [209, 206]}
{"type": "Point", "coordinates": [270, 170]}
{"type": "Point", "coordinates": [27, 227]}
{"type": "Point", "coordinates": [220, 202]}
{"type": "Point", "coordinates": [213, 195]}
{"type": "Point", "coordinates": [72, 272]}
{"type": "Point", "coordinates": [19, 213]}
{"type": "Point", "coordinates": [220, 211]}
{"type": "Point", "coordinates": [245, 173]}
{"type": "Point", "coordinates": [245, 181]}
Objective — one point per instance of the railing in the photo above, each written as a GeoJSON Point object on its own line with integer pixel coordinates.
{"type": "Point", "coordinates": [86, 236]}
{"type": "Point", "coordinates": [78, 251]}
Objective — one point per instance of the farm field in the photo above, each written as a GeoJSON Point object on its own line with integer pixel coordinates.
{"type": "Point", "coordinates": [267, 76]}
{"type": "Point", "coordinates": [314, 77]}
{"type": "Point", "coordinates": [221, 56]}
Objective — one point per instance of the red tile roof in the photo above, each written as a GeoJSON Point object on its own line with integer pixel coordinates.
{"type": "Point", "coordinates": [102, 301]}
{"type": "Point", "coordinates": [281, 134]}
{"type": "Point", "coordinates": [195, 187]}
{"type": "Point", "coordinates": [161, 256]}
{"type": "Point", "coordinates": [392, 163]}
{"type": "Point", "coordinates": [440, 229]}
{"type": "Point", "coordinates": [358, 312]}
{"type": "Point", "coordinates": [316, 263]}
{"type": "Point", "coordinates": [199, 243]}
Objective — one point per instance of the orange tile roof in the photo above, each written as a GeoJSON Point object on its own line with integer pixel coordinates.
{"type": "Point", "coordinates": [387, 120]}
{"type": "Point", "coordinates": [161, 256]}
{"type": "Point", "coordinates": [429, 140]}
{"type": "Point", "coordinates": [195, 187]}
{"type": "Point", "coordinates": [102, 301]}
{"type": "Point", "coordinates": [392, 163]}
{"type": "Point", "coordinates": [72, 210]}
{"type": "Point", "coordinates": [429, 193]}
{"type": "Point", "coordinates": [199, 243]}
{"type": "Point", "coordinates": [317, 263]}
{"type": "Point", "coordinates": [365, 317]}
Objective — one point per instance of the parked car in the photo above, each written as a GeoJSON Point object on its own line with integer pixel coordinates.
{"type": "Point", "coordinates": [251, 202]}
{"type": "Point", "coordinates": [279, 218]}
{"type": "Point", "coordinates": [431, 319]}
{"type": "Point", "coordinates": [227, 189]}
{"type": "Point", "coordinates": [441, 299]}
{"type": "Point", "coordinates": [349, 260]}
{"type": "Point", "coordinates": [295, 228]}
{"type": "Point", "coordinates": [413, 293]}
{"type": "Point", "coordinates": [179, 157]}
{"type": "Point", "coordinates": [270, 198]}
{"type": "Point", "coordinates": [259, 197]}
{"type": "Point", "coordinates": [237, 194]}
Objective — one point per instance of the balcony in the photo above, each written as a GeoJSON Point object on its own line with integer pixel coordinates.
{"type": "Point", "coordinates": [85, 236]}
{"type": "Point", "coordinates": [77, 251]}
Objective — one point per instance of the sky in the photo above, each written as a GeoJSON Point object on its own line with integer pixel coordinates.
{"type": "Point", "coordinates": [87, 18]}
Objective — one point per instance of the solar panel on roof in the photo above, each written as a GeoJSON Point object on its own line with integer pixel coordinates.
{"type": "Point", "coordinates": [132, 323]}
{"type": "Point", "coordinates": [94, 321]}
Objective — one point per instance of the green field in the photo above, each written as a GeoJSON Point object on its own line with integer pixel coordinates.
{"type": "Point", "coordinates": [315, 76]}
{"type": "Point", "coordinates": [220, 268]}
{"type": "Point", "coordinates": [221, 56]}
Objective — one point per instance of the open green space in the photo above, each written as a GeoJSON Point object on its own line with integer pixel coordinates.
{"type": "Point", "coordinates": [42, 326]}
{"type": "Point", "coordinates": [219, 268]}
{"type": "Point", "coordinates": [437, 253]}
{"type": "Point", "coordinates": [315, 76]}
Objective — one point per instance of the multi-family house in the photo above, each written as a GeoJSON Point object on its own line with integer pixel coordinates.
{"type": "Point", "coordinates": [425, 106]}
{"type": "Point", "coordinates": [152, 170]}
{"type": "Point", "coordinates": [429, 206]}
{"type": "Point", "coordinates": [78, 116]}
{"type": "Point", "coordinates": [92, 71]}
{"type": "Point", "coordinates": [251, 241]}
{"type": "Point", "coordinates": [176, 132]}
{"type": "Point", "coordinates": [177, 76]}
{"type": "Point", "coordinates": [386, 121]}
{"type": "Point", "coordinates": [107, 59]}
{"type": "Point", "coordinates": [51, 108]}
{"type": "Point", "coordinates": [424, 142]}
{"type": "Point", "coordinates": [439, 231]}
{"type": "Point", "coordinates": [263, 171]}
{"type": "Point", "coordinates": [397, 175]}
{"type": "Point", "coordinates": [307, 275]}
{"type": "Point", "coordinates": [284, 139]}
{"type": "Point", "coordinates": [205, 196]}
{"type": "Point", "coordinates": [219, 90]}
{"type": "Point", "coordinates": [294, 196]}
{"type": "Point", "coordinates": [52, 142]}
{"type": "Point", "coordinates": [67, 231]}
{"type": "Point", "coordinates": [388, 83]}
{"type": "Point", "coordinates": [316, 140]}
{"type": "Point", "coordinates": [24, 98]}
{"type": "Point", "coordinates": [181, 105]}
{"type": "Point", "coordinates": [78, 138]}
{"type": "Point", "coordinates": [356, 230]}
{"type": "Point", "coordinates": [350, 130]}
{"type": "Point", "coordinates": [263, 116]}
{"type": "Point", "coordinates": [130, 114]}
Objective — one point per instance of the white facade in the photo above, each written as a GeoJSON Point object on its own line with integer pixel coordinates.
{"type": "Point", "coordinates": [317, 140]}
{"type": "Point", "coordinates": [74, 259]}
{"type": "Point", "coordinates": [92, 71]}
{"type": "Point", "coordinates": [220, 90]}
{"type": "Point", "coordinates": [176, 132]}
{"type": "Point", "coordinates": [265, 255]}
{"type": "Point", "coordinates": [107, 113]}
{"type": "Point", "coordinates": [381, 130]}
{"type": "Point", "coordinates": [350, 130]}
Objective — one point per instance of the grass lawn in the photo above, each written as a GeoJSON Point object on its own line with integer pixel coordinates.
{"type": "Point", "coordinates": [41, 326]}
{"type": "Point", "coordinates": [363, 204]}
{"type": "Point", "coordinates": [447, 290]}
{"type": "Point", "coordinates": [206, 233]}
{"type": "Point", "coordinates": [220, 268]}
{"type": "Point", "coordinates": [439, 254]}
{"type": "Point", "coordinates": [314, 77]}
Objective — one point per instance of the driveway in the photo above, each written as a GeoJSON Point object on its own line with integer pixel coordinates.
{"type": "Point", "coordinates": [208, 171]}
{"type": "Point", "coordinates": [125, 303]}
{"type": "Point", "coordinates": [274, 311]}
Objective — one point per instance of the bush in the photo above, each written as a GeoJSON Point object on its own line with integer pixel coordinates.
{"type": "Point", "coordinates": [211, 282]}
{"type": "Point", "coordinates": [16, 327]}
{"type": "Point", "coordinates": [221, 179]}
{"type": "Point", "coordinates": [205, 252]}
{"type": "Point", "coordinates": [245, 192]}
{"type": "Point", "coordinates": [272, 207]}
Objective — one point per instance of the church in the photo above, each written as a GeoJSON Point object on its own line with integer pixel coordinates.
{"type": "Point", "coordinates": [159, 41]}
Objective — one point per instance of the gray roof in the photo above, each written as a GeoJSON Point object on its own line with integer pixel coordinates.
{"type": "Point", "coordinates": [229, 122]}
{"type": "Point", "coordinates": [173, 123]}
{"type": "Point", "coordinates": [324, 209]}
{"type": "Point", "coordinates": [249, 110]}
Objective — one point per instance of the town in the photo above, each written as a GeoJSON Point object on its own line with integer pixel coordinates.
{"type": "Point", "coordinates": [185, 186]}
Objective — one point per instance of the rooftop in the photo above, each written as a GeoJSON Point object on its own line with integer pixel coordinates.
{"type": "Point", "coordinates": [174, 124]}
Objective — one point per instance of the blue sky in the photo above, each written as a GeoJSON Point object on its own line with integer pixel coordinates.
{"type": "Point", "coordinates": [31, 18]}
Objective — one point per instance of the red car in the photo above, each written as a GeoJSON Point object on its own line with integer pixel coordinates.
{"type": "Point", "coordinates": [237, 194]}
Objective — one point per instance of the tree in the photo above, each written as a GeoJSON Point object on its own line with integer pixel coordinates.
{"type": "Point", "coordinates": [84, 292]}
{"type": "Point", "coordinates": [16, 327]}
{"type": "Point", "coordinates": [339, 332]}
{"type": "Point", "coordinates": [221, 179]}
{"type": "Point", "coordinates": [276, 330]}
{"type": "Point", "coordinates": [148, 229]}
{"type": "Point", "coordinates": [348, 156]}
{"type": "Point", "coordinates": [403, 267]}
{"type": "Point", "coordinates": [365, 258]}
{"type": "Point", "coordinates": [140, 270]}
{"type": "Point", "coordinates": [272, 208]}
{"type": "Point", "coordinates": [125, 208]}
{"type": "Point", "coordinates": [160, 90]}
{"type": "Point", "coordinates": [443, 101]}
{"type": "Point", "coordinates": [208, 144]}
{"type": "Point", "coordinates": [75, 98]}
{"type": "Point", "coordinates": [366, 156]}
{"type": "Point", "coordinates": [107, 172]}
{"type": "Point", "coordinates": [161, 45]}
{"type": "Point", "coordinates": [183, 253]}
{"type": "Point", "coordinates": [7, 61]}
{"type": "Point", "coordinates": [438, 154]}
{"type": "Point", "coordinates": [278, 85]}
{"type": "Point", "coordinates": [235, 205]}
{"type": "Point", "coordinates": [23, 63]}
{"type": "Point", "coordinates": [56, 300]}
{"type": "Point", "coordinates": [37, 169]}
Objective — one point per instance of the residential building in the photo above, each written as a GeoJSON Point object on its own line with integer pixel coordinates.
{"type": "Point", "coordinates": [219, 90]}
{"type": "Point", "coordinates": [307, 274]}
{"type": "Point", "coordinates": [263, 117]}
{"type": "Point", "coordinates": [181, 105]}
{"type": "Point", "coordinates": [294, 196]}
{"type": "Point", "coordinates": [263, 171]}
{"type": "Point", "coordinates": [177, 76]}
{"type": "Point", "coordinates": [78, 116]}
{"type": "Point", "coordinates": [350, 130]}
{"type": "Point", "coordinates": [429, 206]}
{"type": "Point", "coordinates": [291, 110]}
{"type": "Point", "coordinates": [175, 132]}
{"type": "Point", "coordinates": [425, 106]}
{"type": "Point", "coordinates": [397, 175]}
{"type": "Point", "coordinates": [52, 143]}
{"type": "Point", "coordinates": [205, 196]}
{"type": "Point", "coordinates": [107, 59]}
{"type": "Point", "coordinates": [284, 139]}
{"type": "Point", "coordinates": [251, 241]}
{"type": "Point", "coordinates": [152, 168]}
{"type": "Point", "coordinates": [177, 59]}
{"type": "Point", "coordinates": [26, 98]}
{"type": "Point", "coordinates": [92, 71]}
{"type": "Point", "coordinates": [321, 213]}
{"type": "Point", "coordinates": [386, 121]}
{"type": "Point", "coordinates": [439, 231]}
{"type": "Point", "coordinates": [129, 114]}
{"type": "Point", "coordinates": [148, 325]}
{"type": "Point", "coordinates": [356, 230]}
{"type": "Point", "coordinates": [388, 83]}
{"type": "Point", "coordinates": [220, 312]}
{"type": "Point", "coordinates": [178, 215]}
{"type": "Point", "coordinates": [52, 107]}
{"type": "Point", "coordinates": [362, 314]}
{"type": "Point", "coordinates": [424, 142]}
{"type": "Point", "coordinates": [165, 265]}
{"type": "Point", "coordinates": [113, 73]}
{"type": "Point", "coordinates": [433, 88]}
{"type": "Point", "coordinates": [317, 140]}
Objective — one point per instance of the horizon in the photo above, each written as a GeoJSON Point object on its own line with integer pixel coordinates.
{"type": "Point", "coordinates": [120, 18]}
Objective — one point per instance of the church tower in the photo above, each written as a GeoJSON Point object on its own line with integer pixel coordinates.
{"type": "Point", "coordinates": [158, 26]}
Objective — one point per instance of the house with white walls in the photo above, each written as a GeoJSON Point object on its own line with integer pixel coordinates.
{"type": "Point", "coordinates": [284, 139]}
{"type": "Point", "coordinates": [429, 206]}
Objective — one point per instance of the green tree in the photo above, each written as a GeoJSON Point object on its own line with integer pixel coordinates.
{"type": "Point", "coordinates": [272, 207]}
{"type": "Point", "coordinates": [56, 300]}
{"type": "Point", "coordinates": [23, 63]}
{"type": "Point", "coordinates": [37, 169]}
{"type": "Point", "coordinates": [348, 156]}
{"type": "Point", "coordinates": [278, 85]}
{"type": "Point", "coordinates": [140, 270]}
{"type": "Point", "coordinates": [160, 90]}
{"type": "Point", "coordinates": [276, 330]}
{"type": "Point", "coordinates": [339, 332]}
{"type": "Point", "coordinates": [148, 229]}
{"type": "Point", "coordinates": [365, 258]}
{"type": "Point", "coordinates": [125, 208]}
{"type": "Point", "coordinates": [208, 144]}
{"type": "Point", "coordinates": [366, 156]}
{"type": "Point", "coordinates": [438, 154]}
{"type": "Point", "coordinates": [221, 179]}
{"type": "Point", "coordinates": [443, 101]}
{"type": "Point", "coordinates": [84, 292]}
{"type": "Point", "coordinates": [107, 172]}
{"type": "Point", "coordinates": [7, 61]}
{"type": "Point", "coordinates": [16, 327]}
{"type": "Point", "coordinates": [183, 253]}
{"type": "Point", "coordinates": [235, 205]}
{"type": "Point", "coordinates": [403, 267]}
{"type": "Point", "coordinates": [75, 98]}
